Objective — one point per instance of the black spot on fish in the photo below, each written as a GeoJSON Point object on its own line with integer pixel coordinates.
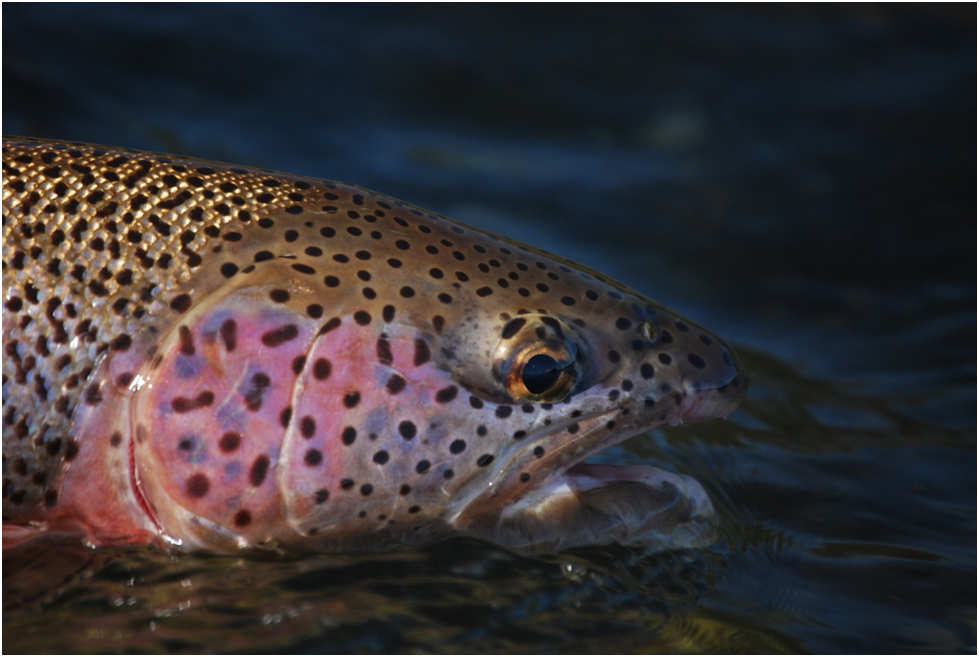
{"type": "Point", "coordinates": [198, 485]}
{"type": "Point", "coordinates": [330, 325]}
{"type": "Point", "coordinates": [512, 327]}
{"type": "Point", "coordinates": [447, 394]}
{"type": "Point", "coordinates": [395, 384]}
{"type": "Point", "coordinates": [229, 442]}
{"type": "Point", "coordinates": [384, 355]}
{"type": "Point", "coordinates": [321, 369]}
{"type": "Point", "coordinates": [407, 429]}
{"type": "Point", "coordinates": [278, 336]}
{"type": "Point", "coordinates": [186, 341]}
{"type": "Point", "coordinates": [229, 334]}
{"type": "Point", "coordinates": [422, 352]}
{"type": "Point", "coordinates": [181, 303]}
{"type": "Point", "coordinates": [258, 470]}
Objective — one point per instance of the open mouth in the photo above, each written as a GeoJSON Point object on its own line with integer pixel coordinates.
{"type": "Point", "coordinates": [551, 499]}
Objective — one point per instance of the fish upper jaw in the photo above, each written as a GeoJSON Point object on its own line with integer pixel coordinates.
{"type": "Point", "coordinates": [703, 405]}
{"type": "Point", "coordinates": [517, 465]}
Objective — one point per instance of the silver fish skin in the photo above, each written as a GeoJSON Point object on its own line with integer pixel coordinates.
{"type": "Point", "coordinates": [223, 357]}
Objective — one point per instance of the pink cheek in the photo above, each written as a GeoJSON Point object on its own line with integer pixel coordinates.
{"type": "Point", "coordinates": [350, 399]}
{"type": "Point", "coordinates": [214, 415]}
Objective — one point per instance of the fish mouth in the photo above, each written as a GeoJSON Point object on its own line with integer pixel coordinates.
{"type": "Point", "coordinates": [563, 500]}
{"type": "Point", "coordinates": [575, 503]}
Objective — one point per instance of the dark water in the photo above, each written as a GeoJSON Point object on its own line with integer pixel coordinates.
{"type": "Point", "coordinates": [800, 179]}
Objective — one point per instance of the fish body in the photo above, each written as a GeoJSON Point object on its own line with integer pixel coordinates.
{"type": "Point", "coordinates": [223, 357]}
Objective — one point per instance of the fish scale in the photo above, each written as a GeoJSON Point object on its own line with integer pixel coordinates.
{"type": "Point", "coordinates": [224, 357]}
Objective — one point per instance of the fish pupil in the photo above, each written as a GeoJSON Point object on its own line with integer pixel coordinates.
{"type": "Point", "coordinates": [540, 373]}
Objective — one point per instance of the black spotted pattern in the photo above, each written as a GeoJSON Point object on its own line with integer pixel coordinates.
{"type": "Point", "coordinates": [221, 224]}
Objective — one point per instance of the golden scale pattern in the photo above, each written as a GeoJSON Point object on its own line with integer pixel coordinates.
{"type": "Point", "coordinates": [100, 243]}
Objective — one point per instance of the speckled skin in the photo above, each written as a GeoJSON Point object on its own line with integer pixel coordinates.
{"type": "Point", "coordinates": [225, 357]}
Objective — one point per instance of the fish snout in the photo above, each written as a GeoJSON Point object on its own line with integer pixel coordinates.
{"type": "Point", "coordinates": [691, 375]}
{"type": "Point", "coordinates": [711, 403]}
{"type": "Point", "coordinates": [715, 386]}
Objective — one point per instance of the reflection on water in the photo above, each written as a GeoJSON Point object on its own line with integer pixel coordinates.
{"type": "Point", "coordinates": [458, 597]}
{"type": "Point", "coordinates": [799, 179]}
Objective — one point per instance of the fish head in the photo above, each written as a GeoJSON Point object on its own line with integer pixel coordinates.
{"type": "Point", "coordinates": [562, 382]}
{"type": "Point", "coordinates": [416, 405]}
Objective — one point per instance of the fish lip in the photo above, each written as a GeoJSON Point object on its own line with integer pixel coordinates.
{"type": "Point", "coordinates": [526, 444]}
{"type": "Point", "coordinates": [710, 403]}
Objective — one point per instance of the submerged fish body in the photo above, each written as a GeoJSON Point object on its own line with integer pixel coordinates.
{"type": "Point", "coordinates": [224, 357]}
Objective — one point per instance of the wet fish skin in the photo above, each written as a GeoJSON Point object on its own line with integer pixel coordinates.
{"type": "Point", "coordinates": [225, 357]}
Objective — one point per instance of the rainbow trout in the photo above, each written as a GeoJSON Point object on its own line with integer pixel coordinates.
{"type": "Point", "coordinates": [221, 357]}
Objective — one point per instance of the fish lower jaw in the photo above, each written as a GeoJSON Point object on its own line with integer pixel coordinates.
{"type": "Point", "coordinates": [596, 504]}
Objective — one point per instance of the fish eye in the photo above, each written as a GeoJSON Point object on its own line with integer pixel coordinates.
{"type": "Point", "coordinates": [539, 358]}
{"type": "Point", "coordinates": [542, 372]}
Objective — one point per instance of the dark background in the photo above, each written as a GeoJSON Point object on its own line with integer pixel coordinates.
{"type": "Point", "coordinates": [836, 143]}
{"type": "Point", "coordinates": [801, 179]}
